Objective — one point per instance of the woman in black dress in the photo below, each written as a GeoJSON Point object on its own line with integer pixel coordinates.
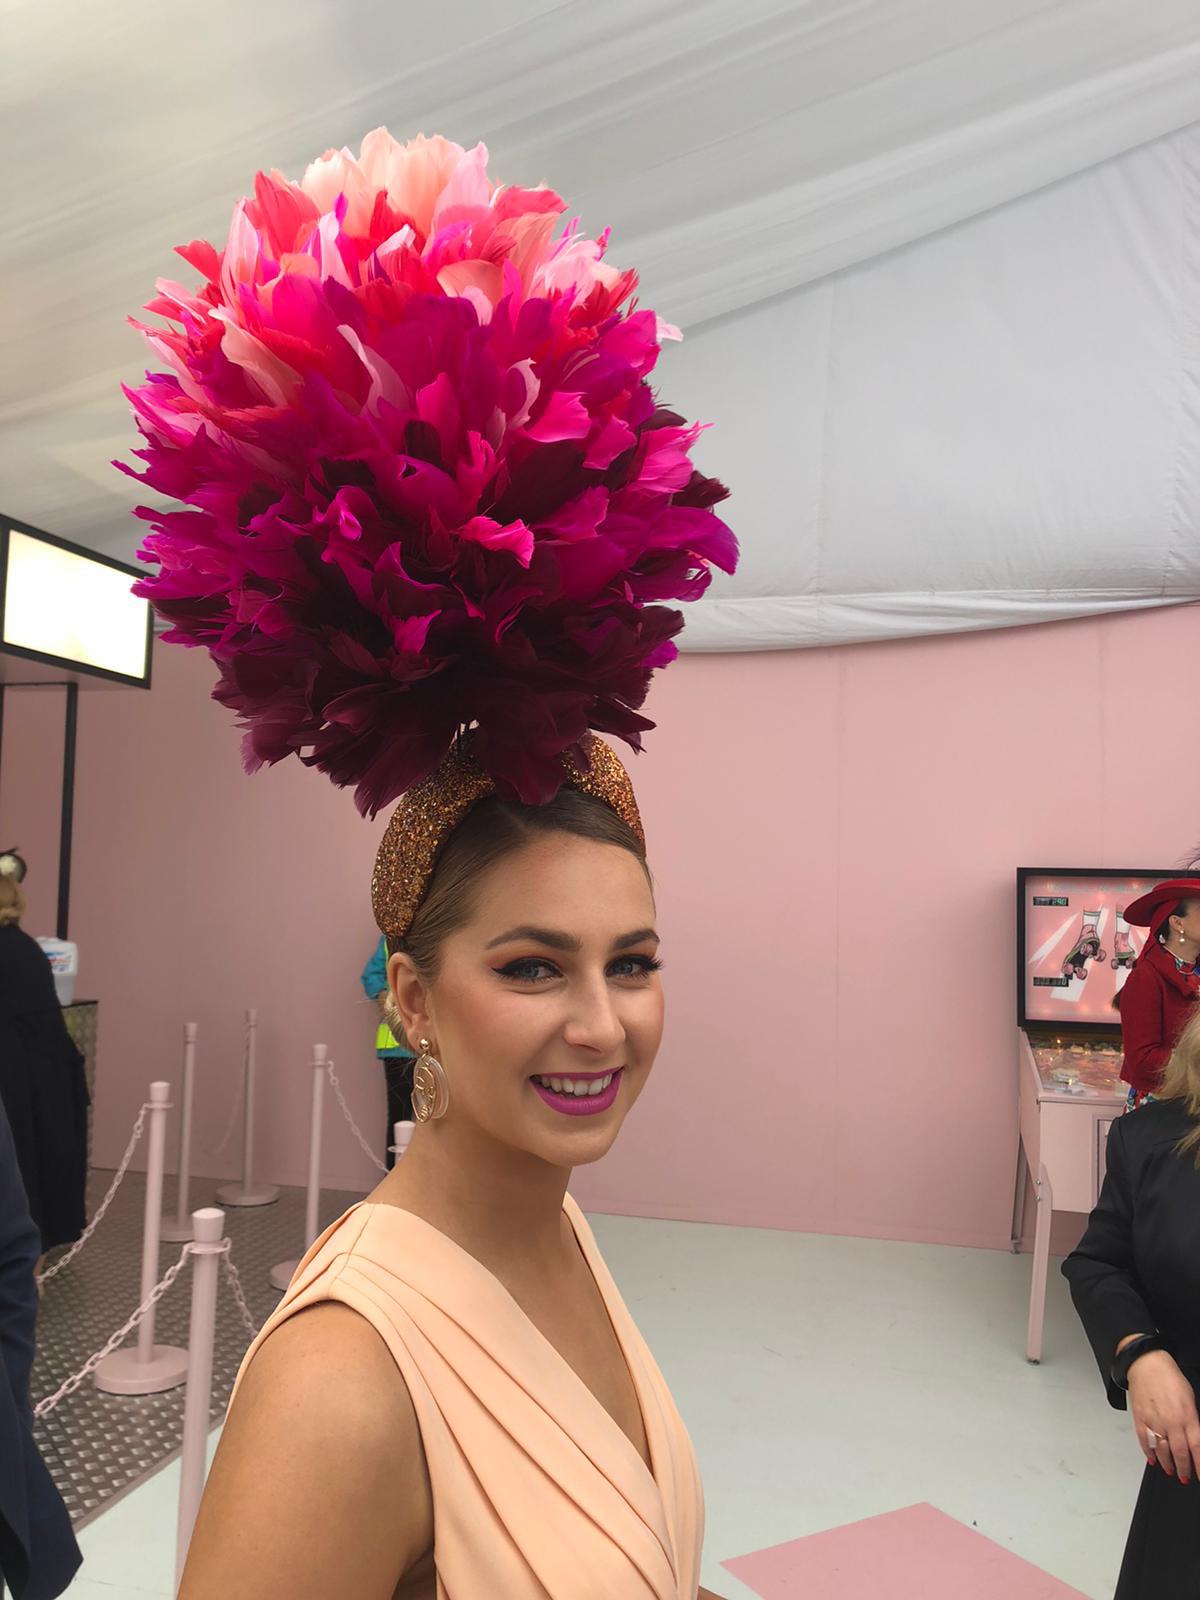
{"type": "Point", "coordinates": [1135, 1281]}
{"type": "Point", "coordinates": [42, 1082]}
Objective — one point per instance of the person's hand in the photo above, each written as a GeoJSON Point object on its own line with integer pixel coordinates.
{"type": "Point", "coordinates": [1163, 1405]}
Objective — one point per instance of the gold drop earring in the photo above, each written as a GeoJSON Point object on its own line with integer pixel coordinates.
{"type": "Point", "coordinates": [431, 1091]}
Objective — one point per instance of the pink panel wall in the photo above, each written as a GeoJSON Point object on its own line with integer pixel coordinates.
{"type": "Point", "coordinates": [833, 834]}
{"type": "Point", "coordinates": [31, 757]}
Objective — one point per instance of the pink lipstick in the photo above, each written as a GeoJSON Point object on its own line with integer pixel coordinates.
{"type": "Point", "coordinates": [581, 1105]}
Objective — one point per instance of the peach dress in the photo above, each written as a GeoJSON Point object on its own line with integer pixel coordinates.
{"type": "Point", "coordinates": [537, 1492]}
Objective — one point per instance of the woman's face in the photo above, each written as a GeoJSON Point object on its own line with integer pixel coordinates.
{"type": "Point", "coordinates": [554, 978]}
{"type": "Point", "coordinates": [1189, 925]}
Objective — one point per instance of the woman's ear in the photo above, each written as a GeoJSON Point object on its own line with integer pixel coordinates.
{"type": "Point", "coordinates": [408, 993]}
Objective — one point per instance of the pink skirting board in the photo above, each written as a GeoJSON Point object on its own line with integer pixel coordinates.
{"type": "Point", "coordinates": [916, 1554]}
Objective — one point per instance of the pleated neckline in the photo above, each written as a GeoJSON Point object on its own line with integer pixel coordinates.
{"type": "Point", "coordinates": [603, 1281]}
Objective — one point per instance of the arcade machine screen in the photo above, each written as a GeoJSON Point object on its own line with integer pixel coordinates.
{"type": "Point", "coordinates": [1074, 946]}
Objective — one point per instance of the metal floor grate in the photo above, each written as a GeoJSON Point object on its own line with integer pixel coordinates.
{"type": "Point", "coordinates": [100, 1446]}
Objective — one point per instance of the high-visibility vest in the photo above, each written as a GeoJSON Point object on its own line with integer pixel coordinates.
{"type": "Point", "coordinates": [385, 1039]}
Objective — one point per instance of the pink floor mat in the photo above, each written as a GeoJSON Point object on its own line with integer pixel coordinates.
{"type": "Point", "coordinates": [916, 1554]}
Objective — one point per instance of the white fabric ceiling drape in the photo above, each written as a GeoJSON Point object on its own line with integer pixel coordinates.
{"type": "Point", "coordinates": [936, 260]}
{"type": "Point", "coordinates": [997, 425]}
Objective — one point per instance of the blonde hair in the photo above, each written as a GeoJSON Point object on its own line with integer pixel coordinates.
{"type": "Point", "coordinates": [1181, 1081]}
{"type": "Point", "coordinates": [12, 901]}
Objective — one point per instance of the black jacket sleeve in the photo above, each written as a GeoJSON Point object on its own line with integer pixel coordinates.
{"type": "Point", "coordinates": [26, 976]}
{"type": "Point", "coordinates": [19, 1250]}
{"type": "Point", "coordinates": [38, 1553]}
{"type": "Point", "coordinates": [1101, 1273]}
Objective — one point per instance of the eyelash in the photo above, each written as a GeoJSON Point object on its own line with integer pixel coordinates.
{"type": "Point", "coordinates": [648, 966]}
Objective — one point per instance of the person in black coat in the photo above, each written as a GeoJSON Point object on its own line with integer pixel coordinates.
{"type": "Point", "coordinates": [42, 1081]}
{"type": "Point", "coordinates": [1135, 1281]}
{"type": "Point", "coordinates": [38, 1552]}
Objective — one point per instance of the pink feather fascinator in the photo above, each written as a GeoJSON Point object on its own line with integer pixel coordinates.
{"type": "Point", "coordinates": [423, 481]}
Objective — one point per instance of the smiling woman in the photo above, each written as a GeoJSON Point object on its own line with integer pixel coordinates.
{"type": "Point", "coordinates": [534, 954]}
{"type": "Point", "coordinates": [520, 1398]}
{"type": "Point", "coordinates": [433, 508]}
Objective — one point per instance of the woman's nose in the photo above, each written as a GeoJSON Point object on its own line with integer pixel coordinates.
{"type": "Point", "coordinates": [593, 1019]}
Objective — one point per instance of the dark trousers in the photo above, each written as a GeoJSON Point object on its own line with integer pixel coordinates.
{"type": "Point", "coordinates": [398, 1070]}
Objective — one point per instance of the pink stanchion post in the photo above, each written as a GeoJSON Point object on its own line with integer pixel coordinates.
{"type": "Point", "coordinates": [177, 1228]}
{"type": "Point", "coordinates": [148, 1368]}
{"type": "Point", "coordinates": [249, 1193]}
{"type": "Point", "coordinates": [1041, 1267]}
{"type": "Point", "coordinates": [208, 1231]}
{"type": "Point", "coordinates": [283, 1271]}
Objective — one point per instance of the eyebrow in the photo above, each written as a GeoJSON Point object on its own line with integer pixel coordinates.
{"type": "Point", "coordinates": [564, 941]}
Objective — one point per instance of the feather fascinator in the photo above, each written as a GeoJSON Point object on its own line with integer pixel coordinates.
{"type": "Point", "coordinates": [424, 483]}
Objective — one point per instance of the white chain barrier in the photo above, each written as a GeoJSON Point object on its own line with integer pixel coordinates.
{"type": "Point", "coordinates": [222, 1248]}
{"type": "Point", "coordinates": [354, 1127]}
{"type": "Point", "coordinates": [44, 1407]}
{"type": "Point", "coordinates": [63, 1261]}
{"type": "Point", "coordinates": [235, 1284]}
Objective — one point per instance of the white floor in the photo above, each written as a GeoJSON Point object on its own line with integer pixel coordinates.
{"type": "Point", "coordinates": [826, 1380]}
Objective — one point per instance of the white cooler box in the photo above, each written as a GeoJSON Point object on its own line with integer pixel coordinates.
{"type": "Point", "coordinates": [64, 963]}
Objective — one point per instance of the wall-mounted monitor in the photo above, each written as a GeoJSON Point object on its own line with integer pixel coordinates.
{"type": "Point", "coordinates": [67, 614]}
{"type": "Point", "coordinates": [1074, 947]}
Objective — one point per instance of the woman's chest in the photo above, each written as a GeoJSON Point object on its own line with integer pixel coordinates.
{"type": "Point", "coordinates": [575, 1321]}
{"type": "Point", "coordinates": [572, 1318]}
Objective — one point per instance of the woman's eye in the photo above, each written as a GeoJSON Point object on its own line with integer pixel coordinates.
{"type": "Point", "coordinates": [637, 966]}
{"type": "Point", "coordinates": [533, 969]}
{"type": "Point", "coordinates": [528, 970]}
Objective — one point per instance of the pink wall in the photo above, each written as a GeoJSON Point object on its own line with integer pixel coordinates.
{"type": "Point", "coordinates": [31, 759]}
{"type": "Point", "coordinates": [834, 835]}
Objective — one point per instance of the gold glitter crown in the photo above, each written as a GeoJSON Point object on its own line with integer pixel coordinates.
{"type": "Point", "coordinates": [430, 811]}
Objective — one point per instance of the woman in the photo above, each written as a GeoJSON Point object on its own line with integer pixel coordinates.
{"type": "Point", "coordinates": [434, 504]}
{"type": "Point", "coordinates": [38, 1553]}
{"type": "Point", "coordinates": [394, 1057]}
{"type": "Point", "coordinates": [1135, 1281]}
{"type": "Point", "coordinates": [42, 1080]}
{"type": "Point", "coordinates": [453, 1353]}
{"type": "Point", "coordinates": [1161, 991]}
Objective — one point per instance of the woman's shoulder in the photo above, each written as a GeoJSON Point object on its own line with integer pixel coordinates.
{"type": "Point", "coordinates": [26, 977]}
{"type": "Point", "coordinates": [331, 1364]}
{"type": "Point", "coordinates": [320, 1474]}
{"type": "Point", "coordinates": [18, 945]}
{"type": "Point", "coordinates": [1153, 1127]}
{"type": "Point", "coordinates": [1144, 975]}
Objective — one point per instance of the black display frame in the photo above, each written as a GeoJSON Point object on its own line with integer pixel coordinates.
{"type": "Point", "coordinates": [70, 671]}
{"type": "Point", "coordinates": [1093, 1030]}
{"type": "Point", "coordinates": [50, 671]}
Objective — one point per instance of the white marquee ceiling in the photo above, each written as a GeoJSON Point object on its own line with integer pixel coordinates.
{"type": "Point", "coordinates": [973, 397]}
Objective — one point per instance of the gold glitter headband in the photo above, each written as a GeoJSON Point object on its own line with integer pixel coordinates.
{"type": "Point", "coordinates": [430, 811]}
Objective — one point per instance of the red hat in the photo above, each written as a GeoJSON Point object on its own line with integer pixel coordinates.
{"type": "Point", "coordinates": [1158, 903]}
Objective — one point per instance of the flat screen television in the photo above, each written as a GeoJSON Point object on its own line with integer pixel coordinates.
{"type": "Point", "coordinates": [68, 614]}
{"type": "Point", "coordinates": [1074, 948]}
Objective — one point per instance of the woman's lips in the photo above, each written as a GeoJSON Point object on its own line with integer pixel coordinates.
{"type": "Point", "coordinates": [581, 1105]}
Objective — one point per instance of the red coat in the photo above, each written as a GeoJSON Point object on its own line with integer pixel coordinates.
{"type": "Point", "coordinates": [1156, 1001]}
